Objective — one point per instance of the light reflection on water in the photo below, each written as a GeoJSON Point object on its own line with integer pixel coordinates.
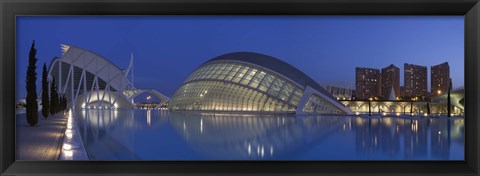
{"type": "Point", "coordinates": [163, 135]}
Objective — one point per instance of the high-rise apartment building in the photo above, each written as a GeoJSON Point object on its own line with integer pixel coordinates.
{"type": "Point", "coordinates": [440, 79]}
{"type": "Point", "coordinates": [390, 78]}
{"type": "Point", "coordinates": [415, 77]}
{"type": "Point", "coordinates": [367, 83]}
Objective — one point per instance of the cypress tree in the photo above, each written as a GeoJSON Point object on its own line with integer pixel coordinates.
{"type": "Point", "coordinates": [32, 106]}
{"type": "Point", "coordinates": [45, 98]}
{"type": "Point", "coordinates": [60, 102]}
{"type": "Point", "coordinates": [65, 101]}
{"type": "Point", "coordinates": [53, 98]}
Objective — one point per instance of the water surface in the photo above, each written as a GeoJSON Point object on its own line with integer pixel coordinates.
{"type": "Point", "coordinates": [163, 135]}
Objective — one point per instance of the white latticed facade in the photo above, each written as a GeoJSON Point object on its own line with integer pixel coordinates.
{"type": "Point", "coordinates": [252, 82]}
{"type": "Point", "coordinates": [91, 81]}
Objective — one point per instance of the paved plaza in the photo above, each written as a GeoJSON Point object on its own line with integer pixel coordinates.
{"type": "Point", "coordinates": [41, 142]}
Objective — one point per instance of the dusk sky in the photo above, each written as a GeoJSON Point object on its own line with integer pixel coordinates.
{"type": "Point", "coordinates": [168, 48]}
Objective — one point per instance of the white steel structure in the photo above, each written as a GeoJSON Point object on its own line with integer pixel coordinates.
{"type": "Point", "coordinates": [90, 81]}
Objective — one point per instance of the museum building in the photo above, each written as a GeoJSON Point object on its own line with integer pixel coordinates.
{"type": "Point", "coordinates": [90, 81]}
{"type": "Point", "coordinates": [253, 82]}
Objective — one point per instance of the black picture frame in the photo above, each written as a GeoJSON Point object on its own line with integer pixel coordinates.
{"type": "Point", "coordinates": [9, 9]}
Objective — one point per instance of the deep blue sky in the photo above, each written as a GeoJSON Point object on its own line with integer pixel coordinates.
{"type": "Point", "coordinates": [168, 48]}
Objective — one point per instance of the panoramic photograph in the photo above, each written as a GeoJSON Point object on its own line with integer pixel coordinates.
{"type": "Point", "coordinates": [282, 88]}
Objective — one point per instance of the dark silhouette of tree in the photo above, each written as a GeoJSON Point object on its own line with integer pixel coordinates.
{"type": "Point", "coordinates": [449, 104]}
{"type": "Point", "coordinates": [32, 106]}
{"type": "Point", "coordinates": [428, 108]}
{"type": "Point", "coordinates": [60, 102]}
{"type": "Point", "coordinates": [45, 97]}
{"type": "Point", "coordinates": [61, 99]}
{"type": "Point", "coordinates": [369, 108]}
{"type": "Point", "coordinates": [411, 108]}
{"type": "Point", "coordinates": [63, 102]}
{"type": "Point", "coordinates": [53, 98]}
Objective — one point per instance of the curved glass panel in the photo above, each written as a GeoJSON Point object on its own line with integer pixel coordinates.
{"type": "Point", "coordinates": [237, 87]}
{"type": "Point", "coordinates": [221, 96]}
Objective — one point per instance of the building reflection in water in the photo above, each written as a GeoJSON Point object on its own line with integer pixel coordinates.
{"type": "Point", "coordinates": [218, 136]}
{"type": "Point", "coordinates": [419, 138]}
{"type": "Point", "coordinates": [141, 134]}
{"type": "Point", "coordinates": [149, 117]}
{"type": "Point", "coordinates": [377, 135]}
{"type": "Point", "coordinates": [110, 133]}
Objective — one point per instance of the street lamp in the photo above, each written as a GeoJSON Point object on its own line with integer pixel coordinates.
{"type": "Point", "coordinates": [148, 98]}
{"type": "Point", "coordinates": [370, 107]}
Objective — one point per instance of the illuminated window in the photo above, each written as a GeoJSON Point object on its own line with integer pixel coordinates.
{"type": "Point", "coordinates": [265, 84]}
{"type": "Point", "coordinates": [275, 88]}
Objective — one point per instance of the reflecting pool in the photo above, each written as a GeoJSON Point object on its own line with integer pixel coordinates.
{"type": "Point", "coordinates": [163, 135]}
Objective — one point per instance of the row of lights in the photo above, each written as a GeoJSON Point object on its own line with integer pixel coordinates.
{"type": "Point", "coordinates": [164, 109]}
{"type": "Point", "coordinates": [397, 114]}
{"type": "Point", "coordinates": [69, 145]}
{"type": "Point", "coordinates": [84, 106]}
{"type": "Point", "coordinates": [377, 98]}
{"type": "Point", "coordinates": [99, 107]}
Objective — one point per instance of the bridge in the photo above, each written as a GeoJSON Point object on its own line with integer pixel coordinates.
{"type": "Point", "coordinates": [132, 94]}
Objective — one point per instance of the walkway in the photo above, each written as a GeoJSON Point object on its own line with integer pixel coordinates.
{"type": "Point", "coordinates": [42, 142]}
